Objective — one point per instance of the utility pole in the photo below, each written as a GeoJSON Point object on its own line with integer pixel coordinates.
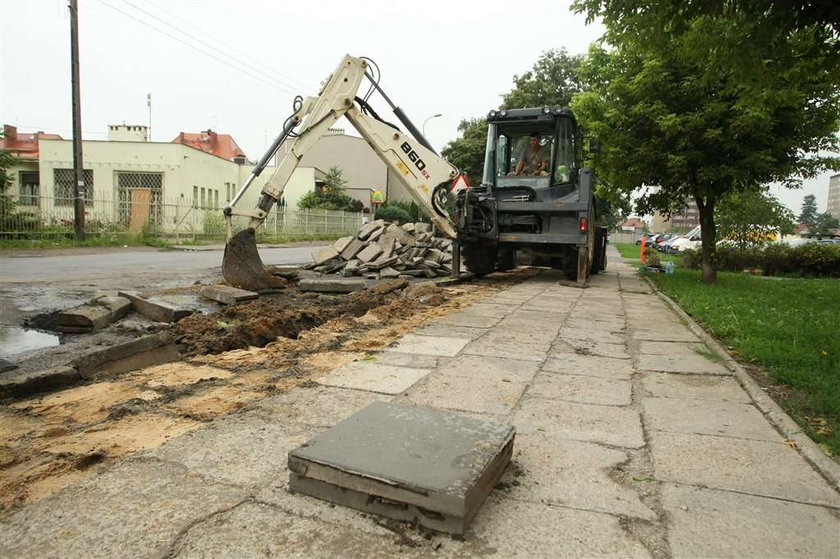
{"type": "Point", "coordinates": [78, 168]}
{"type": "Point", "coordinates": [149, 104]}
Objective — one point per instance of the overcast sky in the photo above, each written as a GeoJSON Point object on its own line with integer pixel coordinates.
{"type": "Point", "coordinates": [235, 67]}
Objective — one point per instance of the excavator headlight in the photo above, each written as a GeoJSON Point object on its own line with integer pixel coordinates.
{"type": "Point", "coordinates": [503, 113]}
{"type": "Point", "coordinates": [546, 110]}
{"type": "Point", "coordinates": [492, 114]}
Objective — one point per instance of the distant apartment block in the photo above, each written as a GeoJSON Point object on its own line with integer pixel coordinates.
{"type": "Point", "coordinates": [834, 196]}
{"type": "Point", "coordinates": [683, 219]}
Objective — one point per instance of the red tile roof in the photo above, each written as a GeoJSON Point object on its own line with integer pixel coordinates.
{"type": "Point", "coordinates": [23, 146]}
{"type": "Point", "coordinates": [221, 145]}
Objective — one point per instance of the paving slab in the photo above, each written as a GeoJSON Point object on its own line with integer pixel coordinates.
{"type": "Point", "coordinates": [683, 363]}
{"type": "Point", "coordinates": [319, 406]}
{"type": "Point", "coordinates": [227, 295]}
{"type": "Point", "coordinates": [582, 389]}
{"type": "Point", "coordinates": [451, 331]}
{"type": "Point", "coordinates": [672, 333]}
{"type": "Point", "coordinates": [573, 474]}
{"type": "Point", "coordinates": [671, 348]}
{"type": "Point", "coordinates": [463, 318]}
{"type": "Point", "coordinates": [406, 462]}
{"type": "Point", "coordinates": [607, 325]}
{"type": "Point", "coordinates": [332, 285]}
{"type": "Point", "coordinates": [589, 365]}
{"type": "Point", "coordinates": [498, 369]}
{"type": "Point", "coordinates": [755, 467]}
{"type": "Point", "coordinates": [128, 356]}
{"type": "Point", "coordinates": [373, 377]}
{"type": "Point", "coordinates": [590, 347]}
{"type": "Point", "coordinates": [700, 387]}
{"type": "Point", "coordinates": [711, 523]}
{"type": "Point", "coordinates": [593, 334]}
{"type": "Point", "coordinates": [430, 345]}
{"type": "Point", "coordinates": [263, 530]}
{"type": "Point", "coordinates": [731, 419]}
{"type": "Point", "coordinates": [496, 347]}
{"type": "Point", "coordinates": [612, 425]}
{"type": "Point", "coordinates": [154, 308]}
{"type": "Point", "coordinates": [488, 310]}
{"type": "Point", "coordinates": [136, 509]}
{"type": "Point", "coordinates": [217, 453]}
{"type": "Point", "coordinates": [479, 395]}
{"type": "Point", "coordinates": [407, 359]}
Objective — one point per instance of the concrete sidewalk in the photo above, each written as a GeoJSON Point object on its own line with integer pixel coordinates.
{"type": "Point", "coordinates": [633, 440]}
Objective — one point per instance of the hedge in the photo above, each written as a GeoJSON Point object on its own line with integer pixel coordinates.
{"type": "Point", "coordinates": [810, 260]}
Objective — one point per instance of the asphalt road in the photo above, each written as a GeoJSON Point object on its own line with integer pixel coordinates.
{"type": "Point", "coordinates": [127, 265]}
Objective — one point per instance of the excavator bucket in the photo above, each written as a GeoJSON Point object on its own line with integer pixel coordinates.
{"type": "Point", "coordinates": [242, 266]}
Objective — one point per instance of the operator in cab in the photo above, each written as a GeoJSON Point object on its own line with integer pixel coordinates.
{"type": "Point", "coordinates": [534, 158]}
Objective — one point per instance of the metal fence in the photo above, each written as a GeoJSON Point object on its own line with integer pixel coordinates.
{"type": "Point", "coordinates": [140, 212]}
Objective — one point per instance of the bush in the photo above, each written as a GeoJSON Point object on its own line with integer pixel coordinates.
{"type": "Point", "coordinates": [810, 260]}
{"type": "Point", "coordinates": [392, 213]}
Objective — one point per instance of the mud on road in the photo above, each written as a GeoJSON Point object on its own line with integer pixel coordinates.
{"type": "Point", "coordinates": [233, 357]}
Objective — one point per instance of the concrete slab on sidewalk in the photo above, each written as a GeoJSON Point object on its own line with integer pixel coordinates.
{"type": "Point", "coordinates": [755, 467]}
{"type": "Point", "coordinates": [682, 363]}
{"type": "Point", "coordinates": [671, 348]}
{"type": "Point", "coordinates": [488, 310]}
{"type": "Point", "coordinates": [373, 377]}
{"type": "Point", "coordinates": [451, 331]}
{"type": "Point", "coordinates": [411, 360]}
{"type": "Point", "coordinates": [582, 389]}
{"type": "Point", "coordinates": [430, 345]}
{"type": "Point", "coordinates": [573, 474]}
{"type": "Point", "coordinates": [319, 406]}
{"type": "Point", "coordinates": [592, 334]}
{"type": "Point", "coordinates": [711, 523]}
{"type": "Point", "coordinates": [612, 425]}
{"type": "Point", "coordinates": [705, 417]}
{"type": "Point", "coordinates": [589, 365]}
{"type": "Point", "coordinates": [499, 346]}
{"type": "Point", "coordinates": [477, 395]}
{"type": "Point", "coordinates": [590, 347]}
{"type": "Point", "coordinates": [498, 369]}
{"type": "Point", "coordinates": [699, 387]}
{"type": "Point", "coordinates": [138, 508]}
{"type": "Point", "coordinates": [670, 334]}
{"type": "Point", "coordinates": [462, 318]}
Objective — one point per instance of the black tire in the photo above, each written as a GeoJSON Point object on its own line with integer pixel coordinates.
{"type": "Point", "coordinates": [479, 258]}
{"type": "Point", "coordinates": [599, 261]}
{"type": "Point", "coordinates": [506, 260]}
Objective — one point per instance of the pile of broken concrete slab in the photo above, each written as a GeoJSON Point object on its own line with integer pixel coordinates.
{"type": "Point", "coordinates": [382, 250]}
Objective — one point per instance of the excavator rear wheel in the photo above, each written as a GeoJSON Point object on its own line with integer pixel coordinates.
{"type": "Point", "coordinates": [480, 258]}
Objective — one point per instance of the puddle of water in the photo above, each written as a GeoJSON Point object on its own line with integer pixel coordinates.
{"type": "Point", "coordinates": [14, 340]}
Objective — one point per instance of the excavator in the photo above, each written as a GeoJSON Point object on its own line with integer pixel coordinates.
{"type": "Point", "coordinates": [543, 215]}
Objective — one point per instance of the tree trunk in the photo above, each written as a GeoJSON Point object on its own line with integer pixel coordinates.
{"type": "Point", "coordinates": [708, 237]}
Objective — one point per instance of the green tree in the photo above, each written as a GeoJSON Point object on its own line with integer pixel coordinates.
{"type": "Point", "coordinates": [666, 117]}
{"type": "Point", "coordinates": [552, 82]}
{"type": "Point", "coordinates": [750, 217]}
{"type": "Point", "coordinates": [824, 225]}
{"type": "Point", "coordinates": [467, 151]}
{"type": "Point", "coordinates": [331, 196]}
{"type": "Point", "coordinates": [7, 203]}
{"type": "Point", "coordinates": [808, 215]}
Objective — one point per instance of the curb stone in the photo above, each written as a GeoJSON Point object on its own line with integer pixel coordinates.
{"type": "Point", "coordinates": [827, 467]}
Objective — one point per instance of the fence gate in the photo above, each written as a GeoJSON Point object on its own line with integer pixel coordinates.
{"type": "Point", "coordinates": [139, 199]}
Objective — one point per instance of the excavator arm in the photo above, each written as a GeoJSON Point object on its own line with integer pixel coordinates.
{"type": "Point", "coordinates": [425, 174]}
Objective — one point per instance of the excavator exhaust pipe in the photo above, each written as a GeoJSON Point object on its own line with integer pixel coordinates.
{"type": "Point", "coordinates": [242, 266]}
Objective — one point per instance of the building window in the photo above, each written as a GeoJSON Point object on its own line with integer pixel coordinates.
{"type": "Point", "coordinates": [30, 185]}
{"type": "Point", "coordinates": [195, 197]}
{"type": "Point", "coordinates": [216, 200]}
{"type": "Point", "coordinates": [65, 192]}
{"type": "Point", "coordinates": [203, 198]}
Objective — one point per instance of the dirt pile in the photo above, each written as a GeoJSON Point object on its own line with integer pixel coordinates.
{"type": "Point", "coordinates": [385, 250]}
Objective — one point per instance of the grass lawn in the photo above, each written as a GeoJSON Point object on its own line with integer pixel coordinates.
{"type": "Point", "coordinates": [787, 327]}
{"type": "Point", "coordinates": [634, 251]}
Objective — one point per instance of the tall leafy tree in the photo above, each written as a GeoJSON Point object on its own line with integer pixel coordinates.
{"type": "Point", "coordinates": [750, 217]}
{"type": "Point", "coordinates": [668, 117]}
{"type": "Point", "coordinates": [808, 215]}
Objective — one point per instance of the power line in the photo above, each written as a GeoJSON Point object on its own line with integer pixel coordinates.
{"type": "Point", "coordinates": [205, 43]}
{"type": "Point", "coordinates": [229, 46]}
{"type": "Point", "coordinates": [195, 48]}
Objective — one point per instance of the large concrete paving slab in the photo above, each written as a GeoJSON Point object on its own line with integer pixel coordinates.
{"type": "Point", "coordinates": [711, 523]}
{"type": "Point", "coordinates": [609, 325]}
{"type": "Point", "coordinates": [263, 530]}
{"type": "Point", "coordinates": [136, 509]}
{"type": "Point", "coordinates": [682, 363]}
{"type": "Point", "coordinates": [498, 369]}
{"type": "Point", "coordinates": [407, 359]}
{"type": "Point", "coordinates": [373, 377]}
{"type": "Point", "coordinates": [590, 347]}
{"type": "Point", "coordinates": [670, 332]}
{"type": "Point", "coordinates": [488, 310]}
{"type": "Point", "coordinates": [612, 425]}
{"type": "Point", "coordinates": [582, 389]}
{"type": "Point", "coordinates": [573, 474]}
{"type": "Point", "coordinates": [755, 467]}
{"type": "Point", "coordinates": [498, 346]}
{"type": "Point", "coordinates": [705, 417]}
{"type": "Point", "coordinates": [671, 348]}
{"type": "Point", "coordinates": [589, 365]}
{"type": "Point", "coordinates": [463, 318]}
{"type": "Point", "coordinates": [451, 331]}
{"type": "Point", "coordinates": [318, 406]}
{"type": "Point", "coordinates": [477, 395]}
{"type": "Point", "coordinates": [589, 333]}
{"type": "Point", "coordinates": [700, 387]}
{"type": "Point", "coordinates": [430, 345]}
{"type": "Point", "coordinates": [391, 459]}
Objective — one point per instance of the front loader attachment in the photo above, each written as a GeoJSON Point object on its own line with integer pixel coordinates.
{"type": "Point", "coordinates": [242, 266]}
